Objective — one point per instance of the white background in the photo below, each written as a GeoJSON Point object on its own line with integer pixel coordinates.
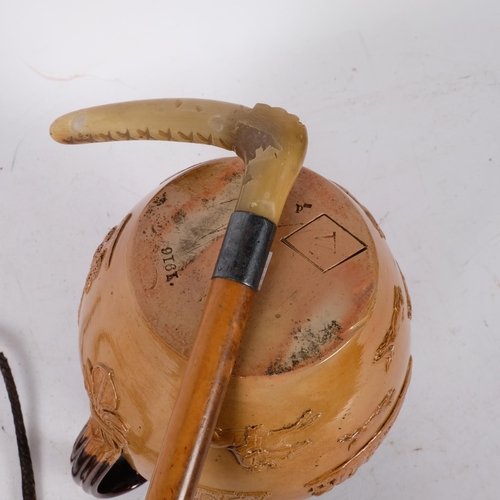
{"type": "Point", "coordinates": [402, 104]}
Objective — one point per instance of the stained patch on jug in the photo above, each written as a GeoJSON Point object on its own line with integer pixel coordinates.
{"type": "Point", "coordinates": [308, 344]}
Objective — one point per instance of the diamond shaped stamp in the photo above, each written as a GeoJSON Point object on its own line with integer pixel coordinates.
{"type": "Point", "coordinates": [324, 243]}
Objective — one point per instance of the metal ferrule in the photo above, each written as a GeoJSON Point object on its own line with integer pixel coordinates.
{"type": "Point", "coordinates": [245, 249]}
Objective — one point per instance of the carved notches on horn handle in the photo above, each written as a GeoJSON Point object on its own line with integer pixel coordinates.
{"type": "Point", "coordinates": [178, 120]}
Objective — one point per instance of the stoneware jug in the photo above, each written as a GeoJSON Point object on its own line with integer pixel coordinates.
{"type": "Point", "coordinates": [324, 362]}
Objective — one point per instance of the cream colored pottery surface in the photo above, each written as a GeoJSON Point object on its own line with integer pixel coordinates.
{"type": "Point", "coordinates": [324, 363]}
{"type": "Point", "coordinates": [401, 104]}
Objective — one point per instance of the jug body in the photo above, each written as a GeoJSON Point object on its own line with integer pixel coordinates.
{"type": "Point", "coordinates": [323, 366]}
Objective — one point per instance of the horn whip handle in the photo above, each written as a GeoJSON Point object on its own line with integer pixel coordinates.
{"type": "Point", "coordinates": [272, 143]}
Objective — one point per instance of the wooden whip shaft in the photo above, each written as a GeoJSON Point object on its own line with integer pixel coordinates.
{"type": "Point", "coordinates": [202, 391]}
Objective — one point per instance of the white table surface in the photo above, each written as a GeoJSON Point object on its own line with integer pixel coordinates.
{"type": "Point", "coordinates": [402, 104]}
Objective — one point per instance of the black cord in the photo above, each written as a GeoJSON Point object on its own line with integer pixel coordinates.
{"type": "Point", "coordinates": [27, 476]}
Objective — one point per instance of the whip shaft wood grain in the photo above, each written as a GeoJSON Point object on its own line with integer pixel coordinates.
{"type": "Point", "coordinates": [202, 391]}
